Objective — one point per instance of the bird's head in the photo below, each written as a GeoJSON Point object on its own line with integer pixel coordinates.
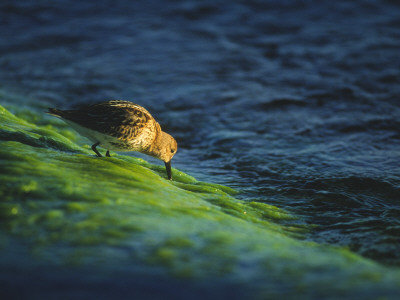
{"type": "Point", "coordinates": [169, 148]}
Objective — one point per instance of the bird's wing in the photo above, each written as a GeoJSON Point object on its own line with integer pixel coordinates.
{"type": "Point", "coordinates": [121, 119]}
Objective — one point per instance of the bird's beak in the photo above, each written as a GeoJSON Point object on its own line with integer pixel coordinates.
{"type": "Point", "coordinates": [168, 168]}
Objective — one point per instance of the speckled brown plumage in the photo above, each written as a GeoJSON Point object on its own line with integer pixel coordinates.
{"type": "Point", "coordinates": [121, 126]}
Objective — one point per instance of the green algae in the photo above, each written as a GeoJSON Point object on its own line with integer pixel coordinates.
{"type": "Point", "coordinates": [57, 197]}
{"type": "Point", "coordinates": [13, 128]}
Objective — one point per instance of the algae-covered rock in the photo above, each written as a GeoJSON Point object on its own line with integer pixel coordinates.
{"type": "Point", "coordinates": [70, 209]}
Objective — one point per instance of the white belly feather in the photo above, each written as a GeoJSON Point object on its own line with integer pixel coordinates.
{"type": "Point", "coordinates": [106, 141]}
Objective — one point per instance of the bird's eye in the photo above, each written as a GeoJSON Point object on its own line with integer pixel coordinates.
{"type": "Point", "coordinates": [172, 150]}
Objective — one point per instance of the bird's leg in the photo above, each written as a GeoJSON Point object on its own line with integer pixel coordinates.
{"type": "Point", "coordinates": [108, 153]}
{"type": "Point", "coordinates": [95, 150]}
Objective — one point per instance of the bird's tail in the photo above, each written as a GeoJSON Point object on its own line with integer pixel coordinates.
{"type": "Point", "coordinates": [55, 112]}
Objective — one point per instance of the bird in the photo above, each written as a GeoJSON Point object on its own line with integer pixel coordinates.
{"type": "Point", "coordinates": [121, 125]}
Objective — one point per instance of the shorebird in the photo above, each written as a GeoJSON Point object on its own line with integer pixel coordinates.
{"type": "Point", "coordinates": [121, 126]}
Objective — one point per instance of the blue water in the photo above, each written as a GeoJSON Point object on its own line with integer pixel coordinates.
{"type": "Point", "coordinates": [294, 103]}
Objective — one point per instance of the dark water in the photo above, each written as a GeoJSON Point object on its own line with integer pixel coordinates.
{"type": "Point", "coordinates": [294, 103]}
